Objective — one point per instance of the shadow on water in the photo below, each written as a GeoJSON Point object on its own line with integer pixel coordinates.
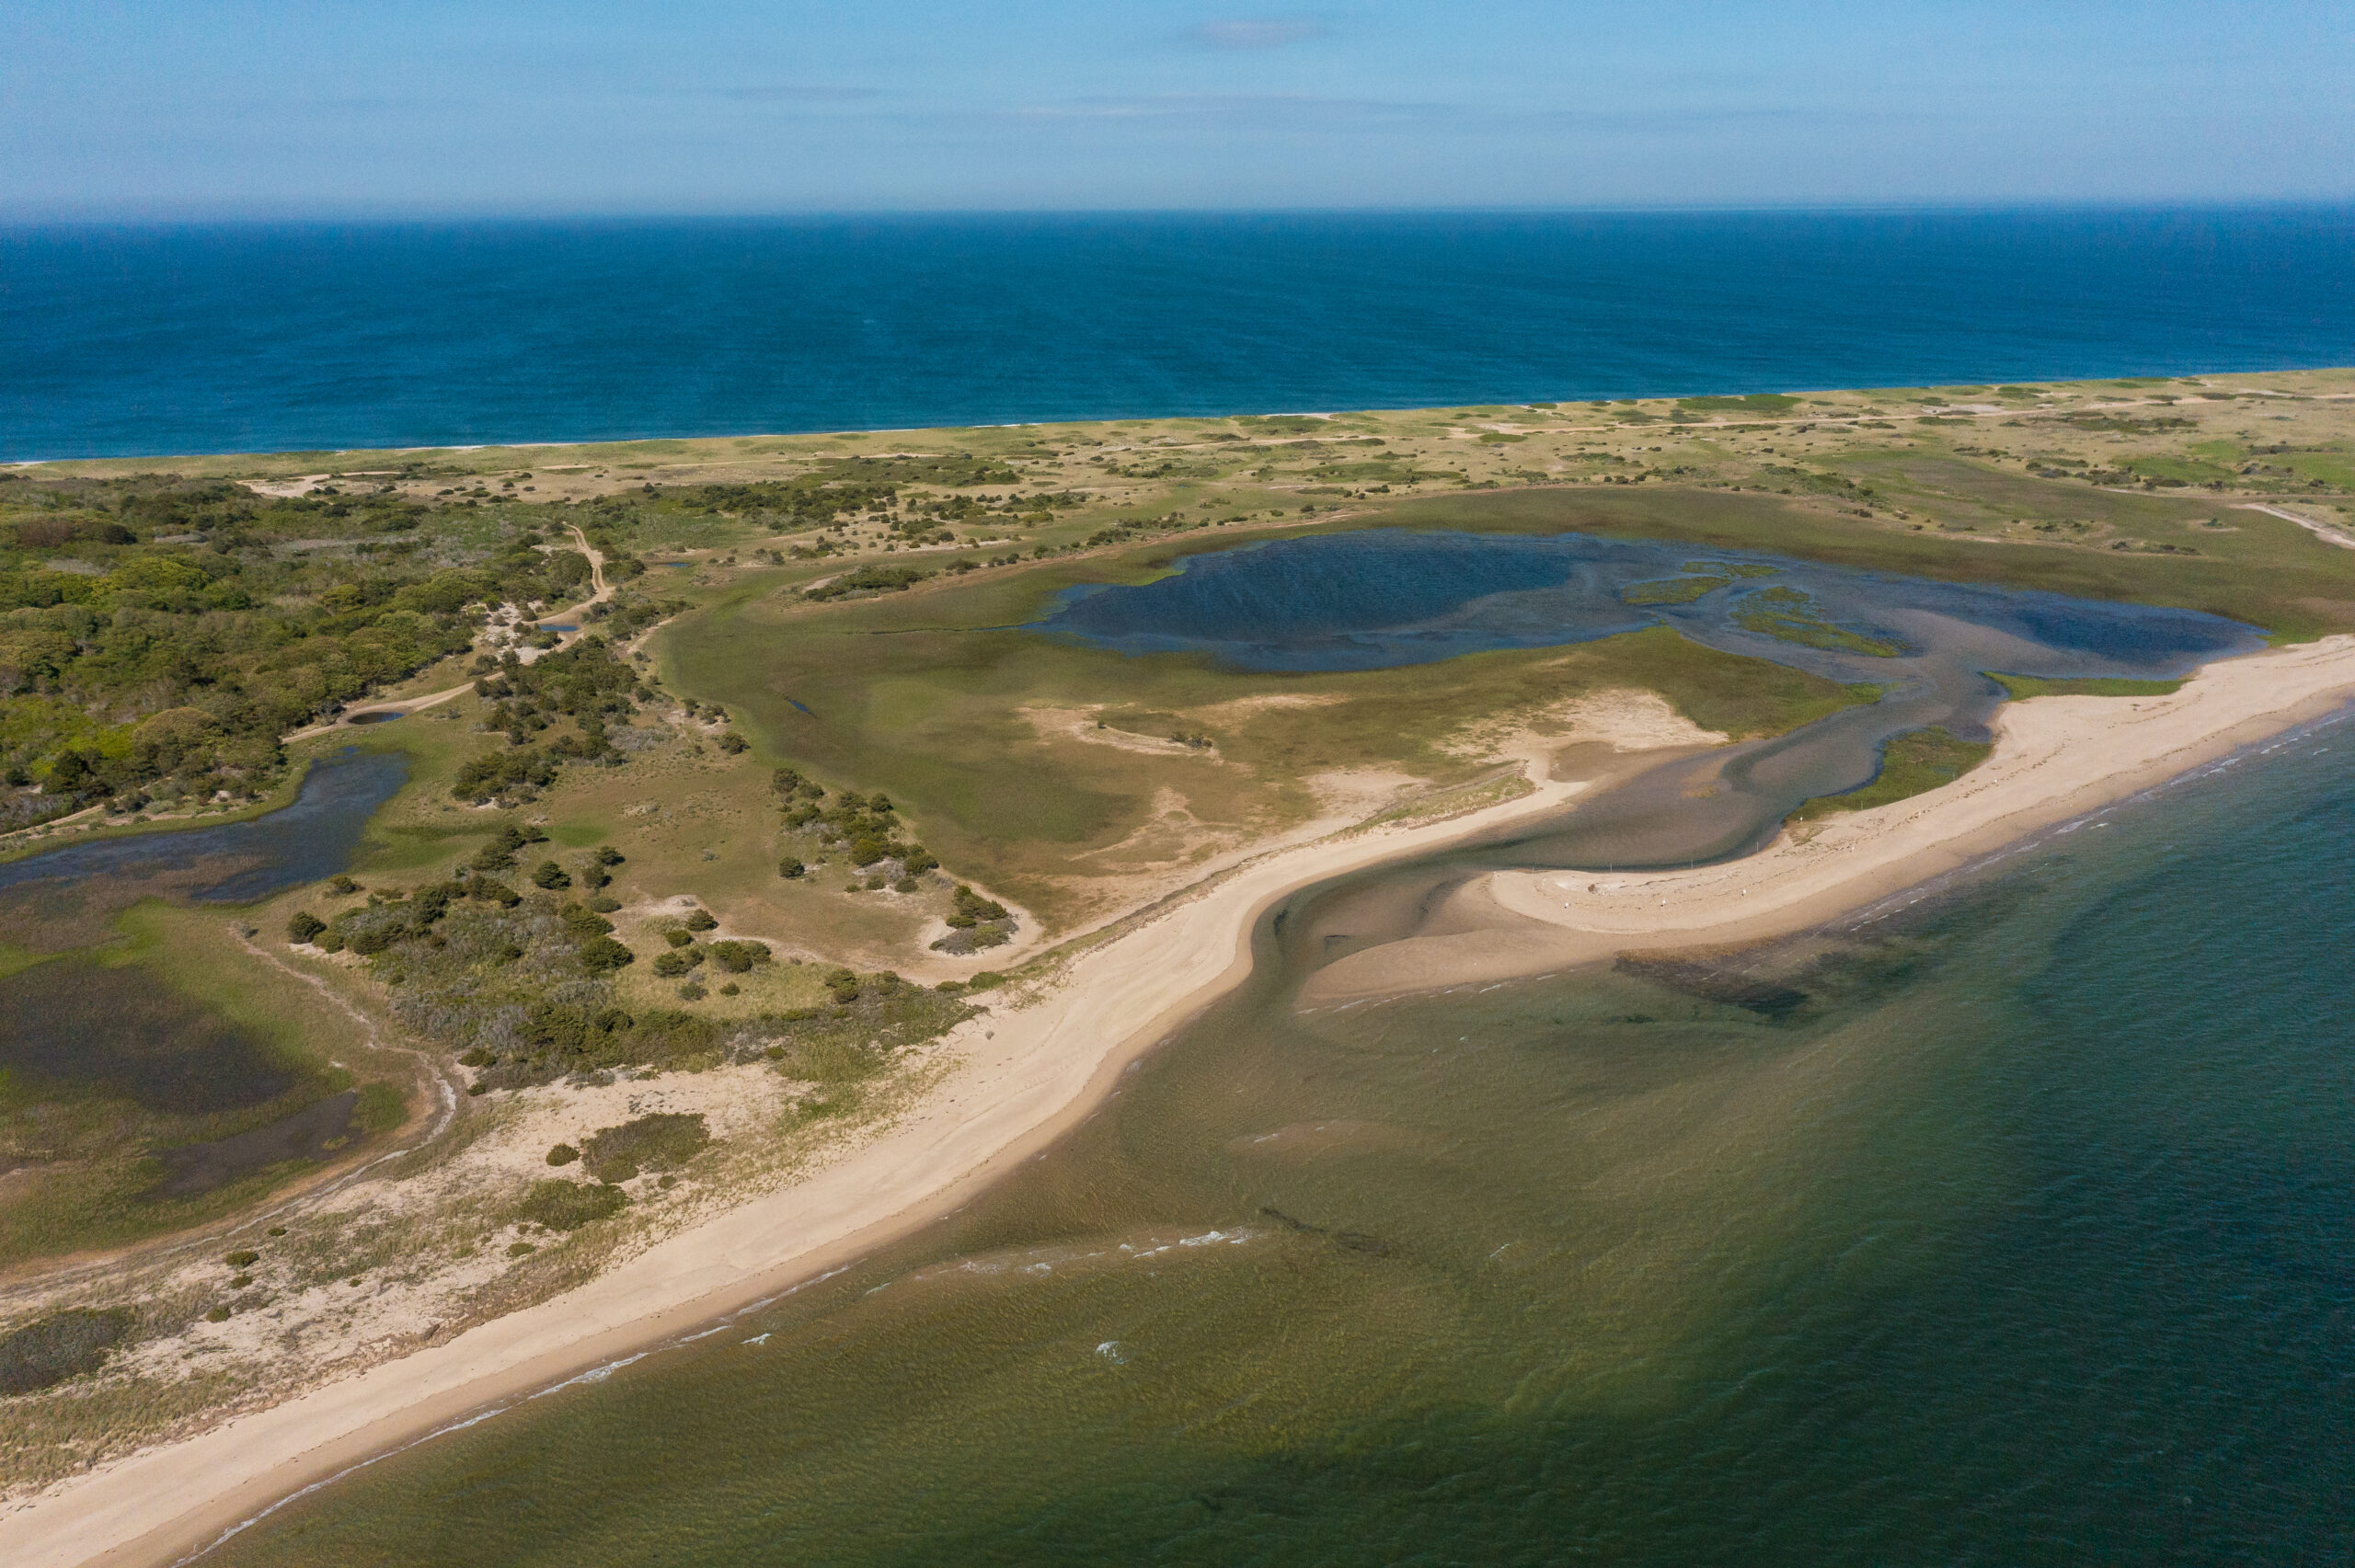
{"type": "Point", "coordinates": [312, 1133]}
{"type": "Point", "coordinates": [1384, 598]}
{"type": "Point", "coordinates": [82, 1027]}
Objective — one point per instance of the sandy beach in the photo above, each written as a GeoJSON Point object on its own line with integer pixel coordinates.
{"type": "Point", "coordinates": [1028, 1075]}
{"type": "Point", "coordinates": [2055, 758]}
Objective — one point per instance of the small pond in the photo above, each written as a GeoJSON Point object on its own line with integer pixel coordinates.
{"type": "Point", "coordinates": [238, 863]}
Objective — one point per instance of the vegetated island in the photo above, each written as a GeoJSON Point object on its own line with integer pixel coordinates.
{"type": "Point", "coordinates": [757, 886]}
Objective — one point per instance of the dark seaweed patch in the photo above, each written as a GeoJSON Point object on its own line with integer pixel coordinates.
{"type": "Point", "coordinates": [1722, 984]}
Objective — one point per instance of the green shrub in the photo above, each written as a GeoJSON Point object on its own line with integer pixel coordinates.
{"type": "Point", "coordinates": [493, 891]}
{"type": "Point", "coordinates": [550, 876]}
{"type": "Point", "coordinates": [790, 868]}
{"type": "Point", "coordinates": [737, 958]}
{"type": "Point", "coordinates": [560, 1205]}
{"type": "Point", "coordinates": [217, 1315]}
{"type": "Point", "coordinates": [702, 920]}
{"type": "Point", "coordinates": [302, 926]}
{"type": "Point", "coordinates": [678, 938]}
{"type": "Point", "coordinates": [563, 1154]}
{"type": "Point", "coordinates": [242, 1259]}
{"type": "Point", "coordinates": [600, 954]}
{"type": "Point", "coordinates": [655, 1142]}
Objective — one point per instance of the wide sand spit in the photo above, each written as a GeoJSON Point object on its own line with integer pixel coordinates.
{"type": "Point", "coordinates": [1025, 1076]}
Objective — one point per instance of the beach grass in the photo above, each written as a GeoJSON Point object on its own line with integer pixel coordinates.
{"type": "Point", "coordinates": [2022, 687]}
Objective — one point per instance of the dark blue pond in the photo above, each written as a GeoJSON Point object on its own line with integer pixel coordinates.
{"type": "Point", "coordinates": [1382, 598]}
{"type": "Point", "coordinates": [236, 862]}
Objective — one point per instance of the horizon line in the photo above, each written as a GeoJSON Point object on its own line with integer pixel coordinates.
{"type": "Point", "coordinates": [262, 217]}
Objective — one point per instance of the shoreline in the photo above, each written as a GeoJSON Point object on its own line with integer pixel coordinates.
{"type": "Point", "coordinates": [1027, 1077]}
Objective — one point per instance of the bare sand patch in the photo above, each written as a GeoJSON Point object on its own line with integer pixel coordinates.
{"type": "Point", "coordinates": [1620, 719]}
{"type": "Point", "coordinates": [1244, 707]}
{"type": "Point", "coordinates": [1083, 724]}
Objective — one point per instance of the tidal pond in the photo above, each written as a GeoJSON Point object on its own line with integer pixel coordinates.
{"type": "Point", "coordinates": [1385, 596]}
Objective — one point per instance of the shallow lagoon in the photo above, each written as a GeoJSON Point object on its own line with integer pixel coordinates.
{"type": "Point", "coordinates": [1387, 597]}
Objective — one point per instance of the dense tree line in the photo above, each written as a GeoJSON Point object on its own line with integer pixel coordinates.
{"type": "Point", "coordinates": [157, 635]}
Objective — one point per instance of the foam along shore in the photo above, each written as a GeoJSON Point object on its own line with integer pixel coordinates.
{"type": "Point", "coordinates": [1023, 1078]}
{"type": "Point", "coordinates": [1027, 1076]}
{"type": "Point", "coordinates": [2055, 759]}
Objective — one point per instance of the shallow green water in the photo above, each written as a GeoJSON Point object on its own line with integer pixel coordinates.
{"type": "Point", "coordinates": [2020, 1236]}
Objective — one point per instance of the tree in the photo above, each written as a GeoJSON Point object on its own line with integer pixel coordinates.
{"type": "Point", "coordinates": [600, 954]}
{"type": "Point", "coordinates": [551, 876]}
{"type": "Point", "coordinates": [790, 868]}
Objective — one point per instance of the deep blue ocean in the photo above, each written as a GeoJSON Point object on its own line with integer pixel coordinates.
{"type": "Point", "coordinates": [121, 341]}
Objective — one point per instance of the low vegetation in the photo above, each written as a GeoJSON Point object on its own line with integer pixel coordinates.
{"type": "Point", "coordinates": [2022, 687]}
{"type": "Point", "coordinates": [1911, 764]}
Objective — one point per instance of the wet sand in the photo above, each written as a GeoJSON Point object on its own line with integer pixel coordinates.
{"type": "Point", "coordinates": [1028, 1076]}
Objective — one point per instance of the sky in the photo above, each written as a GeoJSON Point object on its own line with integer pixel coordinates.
{"type": "Point", "coordinates": [202, 108]}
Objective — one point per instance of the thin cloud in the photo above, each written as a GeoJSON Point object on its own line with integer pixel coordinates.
{"type": "Point", "coordinates": [800, 92]}
{"type": "Point", "coordinates": [1232, 106]}
{"type": "Point", "coordinates": [1255, 32]}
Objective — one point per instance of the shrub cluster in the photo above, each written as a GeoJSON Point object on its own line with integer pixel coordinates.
{"type": "Point", "coordinates": [64, 1344]}
{"type": "Point", "coordinates": [661, 1141]}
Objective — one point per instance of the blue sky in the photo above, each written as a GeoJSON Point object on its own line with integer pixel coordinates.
{"type": "Point", "coordinates": [201, 107]}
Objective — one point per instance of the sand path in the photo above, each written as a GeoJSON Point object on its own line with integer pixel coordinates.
{"type": "Point", "coordinates": [1028, 1075]}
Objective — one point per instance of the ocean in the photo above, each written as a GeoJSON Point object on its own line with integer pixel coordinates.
{"type": "Point", "coordinates": [128, 341]}
{"type": "Point", "coordinates": [2009, 1228]}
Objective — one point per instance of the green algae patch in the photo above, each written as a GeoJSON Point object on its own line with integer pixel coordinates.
{"type": "Point", "coordinates": [1787, 614]}
{"type": "Point", "coordinates": [1672, 590]}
